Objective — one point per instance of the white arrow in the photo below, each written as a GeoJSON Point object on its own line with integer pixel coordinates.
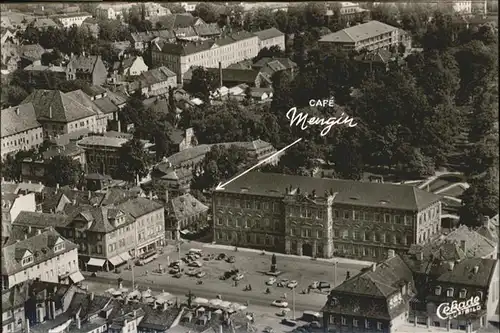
{"type": "Point", "coordinates": [221, 186]}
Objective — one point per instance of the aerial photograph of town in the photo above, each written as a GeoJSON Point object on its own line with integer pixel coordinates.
{"type": "Point", "coordinates": [264, 167]}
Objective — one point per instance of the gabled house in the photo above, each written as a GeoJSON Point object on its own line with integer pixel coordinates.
{"type": "Point", "coordinates": [13, 308]}
{"type": "Point", "coordinates": [34, 257]}
{"type": "Point", "coordinates": [377, 299]}
{"type": "Point", "coordinates": [271, 37]}
{"type": "Point", "coordinates": [154, 82]}
{"type": "Point", "coordinates": [182, 20]}
{"type": "Point", "coordinates": [60, 113]}
{"type": "Point", "coordinates": [19, 129]}
{"type": "Point", "coordinates": [185, 212]}
{"type": "Point", "coordinates": [141, 40]}
{"type": "Point", "coordinates": [89, 68]}
{"type": "Point", "coordinates": [209, 30]}
{"type": "Point", "coordinates": [269, 66]}
{"type": "Point", "coordinates": [129, 67]}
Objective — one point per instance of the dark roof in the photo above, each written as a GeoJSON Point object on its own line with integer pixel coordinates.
{"type": "Point", "coordinates": [106, 105]}
{"type": "Point", "coordinates": [86, 306]}
{"type": "Point", "coordinates": [40, 220]}
{"type": "Point", "coordinates": [15, 297]}
{"type": "Point", "coordinates": [186, 206]}
{"type": "Point", "coordinates": [148, 36]}
{"type": "Point", "coordinates": [84, 63]}
{"type": "Point", "coordinates": [64, 108]}
{"type": "Point", "coordinates": [184, 32]}
{"type": "Point", "coordinates": [139, 206]}
{"type": "Point", "coordinates": [207, 29]}
{"type": "Point", "coordinates": [236, 75]}
{"type": "Point", "coordinates": [41, 247]}
{"type": "Point", "coordinates": [100, 218]}
{"type": "Point", "coordinates": [268, 33]}
{"type": "Point", "coordinates": [358, 32]}
{"type": "Point", "coordinates": [370, 290]}
{"type": "Point", "coordinates": [174, 21]}
{"type": "Point", "coordinates": [156, 75]}
{"type": "Point", "coordinates": [382, 56]}
{"type": "Point", "coordinates": [18, 119]}
{"type": "Point", "coordinates": [463, 272]}
{"type": "Point", "coordinates": [285, 62]}
{"type": "Point", "coordinates": [381, 195]}
{"type": "Point", "coordinates": [93, 90]}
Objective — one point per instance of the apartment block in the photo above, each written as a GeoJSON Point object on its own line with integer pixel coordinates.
{"type": "Point", "coordinates": [68, 20]}
{"type": "Point", "coordinates": [324, 217]}
{"type": "Point", "coordinates": [371, 36]}
{"type": "Point", "coordinates": [227, 50]}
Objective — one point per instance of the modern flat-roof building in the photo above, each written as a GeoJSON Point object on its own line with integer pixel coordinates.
{"type": "Point", "coordinates": [324, 217]}
{"type": "Point", "coordinates": [371, 36]}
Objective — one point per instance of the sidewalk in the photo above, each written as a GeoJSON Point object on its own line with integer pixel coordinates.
{"type": "Point", "coordinates": [332, 260]}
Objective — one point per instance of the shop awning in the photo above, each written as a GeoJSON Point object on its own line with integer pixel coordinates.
{"type": "Point", "coordinates": [96, 262]}
{"type": "Point", "coordinates": [116, 260]}
{"type": "Point", "coordinates": [125, 256]}
{"type": "Point", "coordinates": [76, 277]}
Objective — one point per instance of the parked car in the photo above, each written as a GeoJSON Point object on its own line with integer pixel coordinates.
{"type": "Point", "coordinates": [292, 284]}
{"type": "Point", "coordinates": [280, 303]}
{"type": "Point", "coordinates": [178, 275]}
{"type": "Point", "coordinates": [200, 274]}
{"type": "Point", "coordinates": [283, 282]}
{"type": "Point", "coordinates": [271, 281]}
{"type": "Point", "coordinates": [231, 260]}
{"type": "Point", "coordinates": [289, 322]}
{"type": "Point", "coordinates": [268, 329]}
{"type": "Point", "coordinates": [324, 285]}
{"type": "Point", "coordinates": [195, 264]}
{"type": "Point", "coordinates": [314, 285]}
{"type": "Point", "coordinates": [283, 312]}
{"type": "Point", "coordinates": [221, 256]}
{"type": "Point", "coordinates": [174, 263]}
{"type": "Point", "coordinates": [191, 272]}
{"type": "Point", "coordinates": [315, 324]}
{"type": "Point", "coordinates": [146, 258]}
{"type": "Point", "coordinates": [176, 270]}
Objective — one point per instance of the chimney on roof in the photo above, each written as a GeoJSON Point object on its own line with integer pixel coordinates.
{"type": "Point", "coordinates": [50, 112]}
{"type": "Point", "coordinates": [476, 269]}
{"type": "Point", "coordinates": [486, 221]}
{"type": "Point", "coordinates": [463, 246]}
{"type": "Point", "coordinates": [74, 202]}
{"type": "Point", "coordinates": [155, 305]}
{"type": "Point", "coordinates": [374, 267]}
{"type": "Point", "coordinates": [420, 255]}
{"type": "Point", "coordinates": [451, 265]}
{"type": "Point", "coordinates": [78, 321]}
{"type": "Point", "coordinates": [27, 326]}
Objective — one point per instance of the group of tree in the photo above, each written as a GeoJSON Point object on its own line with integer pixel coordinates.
{"type": "Point", "coordinates": [219, 164]}
{"type": "Point", "coordinates": [59, 170]}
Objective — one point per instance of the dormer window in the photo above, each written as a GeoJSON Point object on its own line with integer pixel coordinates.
{"type": "Point", "coordinates": [463, 293]}
{"type": "Point", "coordinates": [59, 247]}
{"type": "Point", "coordinates": [28, 260]}
{"type": "Point", "coordinates": [438, 290]}
{"type": "Point", "coordinates": [449, 292]}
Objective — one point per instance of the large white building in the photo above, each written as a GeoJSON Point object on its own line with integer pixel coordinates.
{"type": "Point", "coordinates": [46, 256]}
{"type": "Point", "coordinates": [113, 11]}
{"type": "Point", "coordinates": [68, 20]}
{"type": "Point", "coordinates": [233, 48]}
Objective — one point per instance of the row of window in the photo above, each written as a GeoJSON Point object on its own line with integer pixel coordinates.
{"type": "Point", "coordinates": [20, 141]}
{"type": "Point", "coordinates": [30, 259]}
{"type": "Point", "coordinates": [306, 233]}
{"type": "Point", "coordinates": [249, 238]}
{"type": "Point", "coordinates": [355, 322]}
{"type": "Point", "coordinates": [244, 223]}
{"type": "Point", "coordinates": [450, 292]}
{"type": "Point", "coordinates": [377, 237]}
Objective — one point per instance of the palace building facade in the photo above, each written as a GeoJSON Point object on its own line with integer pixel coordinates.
{"type": "Point", "coordinates": [323, 217]}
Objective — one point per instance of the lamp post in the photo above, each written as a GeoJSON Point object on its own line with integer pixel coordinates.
{"type": "Point", "coordinates": [335, 273]}
{"type": "Point", "coordinates": [293, 303]}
